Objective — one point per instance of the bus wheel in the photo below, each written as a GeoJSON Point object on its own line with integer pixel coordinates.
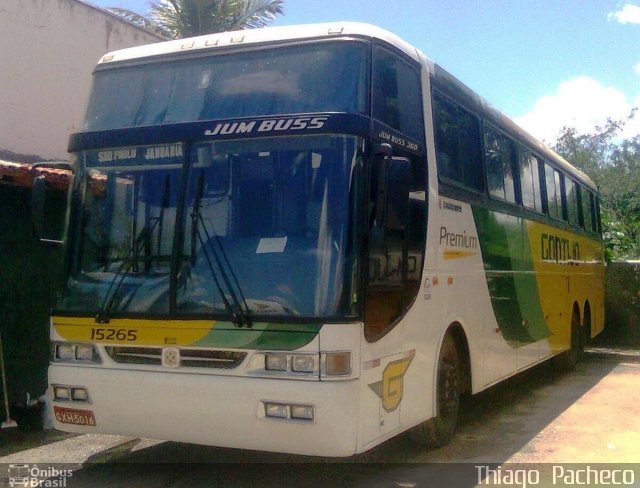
{"type": "Point", "coordinates": [585, 330]}
{"type": "Point", "coordinates": [568, 359]}
{"type": "Point", "coordinates": [438, 431]}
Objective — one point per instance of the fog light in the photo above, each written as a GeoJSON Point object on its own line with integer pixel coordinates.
{"type": "Point", "coordinates": [337, 363]}
{"type": "Point", "coordinates": [65, 351]}
{"type": "Point", "coordinates": [61, 393]}
{"type": "Point", "coordinates": [84, 352]}
{"type": "Point", "coordinates": [302, 412]}
{"type": "Point", "coordinates": [275, 362]}
{"type": "Point", "coordinates": [79, 395]}
{"type": "Point", "coordinates": [303, 363]}
{"type": "Point", "coordinates": [277, 410]}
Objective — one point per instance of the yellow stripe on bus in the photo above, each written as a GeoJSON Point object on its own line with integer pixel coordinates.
{"type": "Point", "coordinates": [457, 254]}
{"type": "Point", "coordinates": [133, 331]}
{"type": "Point", "coordinates": [568, 268]}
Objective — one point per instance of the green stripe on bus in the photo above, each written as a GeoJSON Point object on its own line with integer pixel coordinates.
{"type": "Point", "coordinates": [261, 336]}
{"type": "Point", "coordinates": [510, 276]}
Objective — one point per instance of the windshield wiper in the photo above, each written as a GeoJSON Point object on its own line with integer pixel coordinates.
{"type": "Point", "coordinates": [109, 298]}
{"type": "Point", "coordinates": [143, 239]}
{"type": "Point", "coordinates": [237, 307]}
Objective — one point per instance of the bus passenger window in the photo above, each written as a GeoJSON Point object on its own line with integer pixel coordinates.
{"type": "Point", "coordinates": [458, 149]}
{"type": "Point", "coordinates": [530, 181]}
{"type": "Point", "coordinates": [571, 189]}
{"type": "Point", "coordinates": [588, 214]}
{"type": "Point", "coordinates": [554, 197]}
{"type": "Point", "coordinates": [558, 183]}
{"type": "Point", "coordinates": [499, 160]}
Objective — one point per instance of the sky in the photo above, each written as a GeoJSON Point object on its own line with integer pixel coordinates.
{"type": "Point", "coordinates": [544, 63]}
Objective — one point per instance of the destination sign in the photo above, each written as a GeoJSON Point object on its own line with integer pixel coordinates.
{"type": "Point", "coordinates": [158, 154]}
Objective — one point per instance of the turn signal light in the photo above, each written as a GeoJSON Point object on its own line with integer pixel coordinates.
{"type": "Point", "coordinates": [336, 363]}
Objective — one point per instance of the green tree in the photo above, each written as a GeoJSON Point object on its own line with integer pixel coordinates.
{"type": "Point", "coordinates": [176, 19]}
{"type": "Point", "coordinates": [613, 163]}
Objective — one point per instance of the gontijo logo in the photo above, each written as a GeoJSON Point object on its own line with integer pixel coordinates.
{"type": "Point", "coordinates": [267, 125]}
{"type": "Point", "coordinates": [391, 388]}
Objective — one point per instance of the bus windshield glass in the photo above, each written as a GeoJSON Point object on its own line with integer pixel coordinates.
{"type": "Point", "coordinates": [272, 217]}
{"type": "Point", "coordinates": [321, 77]}
{"type": "Point", "coordinates": [122, 257]}
{"type": "Point", "coordinates": [266, 226]}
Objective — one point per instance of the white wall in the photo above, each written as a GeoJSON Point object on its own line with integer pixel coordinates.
{"type": "Point", "coordinates": [48, 49]}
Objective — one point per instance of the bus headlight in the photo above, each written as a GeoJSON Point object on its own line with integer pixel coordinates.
{"type": "Point", "coordinates": [302, 412]}
{"type": "Point", "coordinates": [275, 362]}
{"type": "Point", "coordinates": [288, 411]}
{"type": "Point", "coordinates": [61, 393]}
{"type": "Point", "coordinates": [69, 393]}
{"type": "Point", "coordinates": [64, 352]}
{"type": "Point", "coordinates": [303, 363]}
{"type": "Point", "coordinates": [70, 352]}
{"type": "Point", "coordinates": [277, 410]}
{"type": "Point", "coordinates": [79, 395]}
{"type": "Point", "coordinates": [84, 352]}
{"type": "Point", "coordinates": [328, 365]}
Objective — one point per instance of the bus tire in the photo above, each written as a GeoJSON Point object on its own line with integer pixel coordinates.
{"type": "Point", "coordinates": [585, 329]}
{"type": "Point", "coordinates": [439, 430]}
{"type": "Point", "coordinates": [567, 360]}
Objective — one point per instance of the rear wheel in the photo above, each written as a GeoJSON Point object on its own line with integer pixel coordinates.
{"type": "Point", "coordinates": [585, 330]}
{"type": "Point", "coordinates": [439, 430]}
{"type": "Point", "coordinates": [568, 359]}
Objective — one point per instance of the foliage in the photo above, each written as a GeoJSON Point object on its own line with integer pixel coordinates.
{"type": "Point", "coordinates": [185, 18]}
{"type": "Point", "coordinates": [613, 163]}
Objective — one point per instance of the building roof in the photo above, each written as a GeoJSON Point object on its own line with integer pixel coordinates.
{"type": "Point", "coordinates": [23, 174]}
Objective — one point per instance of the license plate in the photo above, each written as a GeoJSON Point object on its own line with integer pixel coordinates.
{"type": "Point", "coordinates": [74, 416]}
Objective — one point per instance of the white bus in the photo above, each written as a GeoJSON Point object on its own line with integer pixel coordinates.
{"type": "Point", "coordinates": [308, 239]}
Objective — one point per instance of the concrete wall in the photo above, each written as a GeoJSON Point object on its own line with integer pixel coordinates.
{"type": "Point", "coordinates": [48, 49]}
{"type": "Point", "coordinates": [622, 303]}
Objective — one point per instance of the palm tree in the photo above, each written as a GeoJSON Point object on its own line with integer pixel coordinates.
{"type": "Point", "coordinates": [185, 18]}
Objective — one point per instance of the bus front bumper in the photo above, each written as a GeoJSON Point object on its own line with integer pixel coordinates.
{"type": "Point", "coordinates": [224, 411]}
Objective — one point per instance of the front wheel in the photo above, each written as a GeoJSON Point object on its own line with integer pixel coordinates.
{"type": "Point", "coordinates": [438, 431]}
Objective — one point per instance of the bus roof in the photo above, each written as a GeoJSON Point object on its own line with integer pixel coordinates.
{"type": "Point", "coordinates": [441, 77]}
{"type": "Point", "coordinates": [261, 36]}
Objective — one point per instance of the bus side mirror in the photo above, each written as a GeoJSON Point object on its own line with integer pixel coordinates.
{"type": "Point", "coordinates": [381, 161]}
{"type": "Point", "coordinates": [398, 183]}
{"type": "Point", "coordinates": [37, 205]}
{"type": "Point", "coordinates": [48, 211]}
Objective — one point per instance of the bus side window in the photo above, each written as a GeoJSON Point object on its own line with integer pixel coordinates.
{"type": "Point", "coordinates": [499, 155]}
{"type": "Point", "coordinates": [559, 181]}
{"type": "Point", "coordinates": [588, 217]}
{"type": "Point", "coordinates": [397, 94]}
{"type": "Point", "coordinates": [530, 181]}
{"type": "Point", "coordinates": [458, 150]}
{"type": "Point", "coordinates": [571, 189]}
{"type": "Point", "coordinates": [554, 195]}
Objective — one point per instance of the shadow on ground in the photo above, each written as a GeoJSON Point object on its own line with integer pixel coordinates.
{"type": "Point", "coordinates": [495, 425]}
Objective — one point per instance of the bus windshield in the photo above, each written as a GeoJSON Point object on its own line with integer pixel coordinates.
{"type": "Point", "coordinates": [321, 77]}
{"type": "Point", "coordinates": [265, 225]}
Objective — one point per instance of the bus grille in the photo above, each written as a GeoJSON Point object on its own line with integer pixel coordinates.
{"type": "Point", "coordinates": [189, 358]}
